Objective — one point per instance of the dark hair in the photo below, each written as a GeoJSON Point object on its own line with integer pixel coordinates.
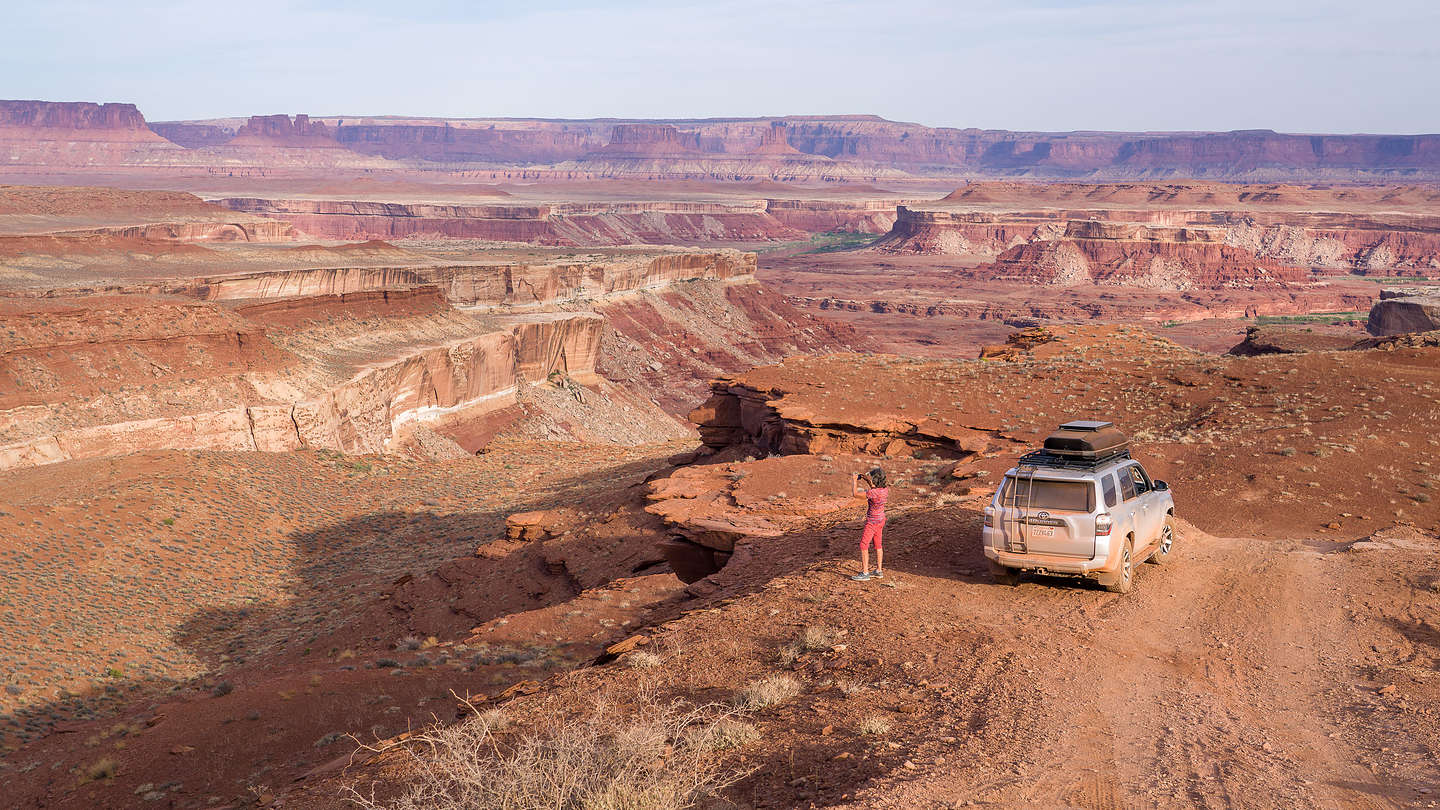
{"type": "Point", "coordinates": [877, 477]}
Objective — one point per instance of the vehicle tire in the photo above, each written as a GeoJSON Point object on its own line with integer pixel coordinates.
{"type": "Point", "coordinates": [1124, 577]}
{"type": "Point", "coordinates": [1003, 575]}
{"type": "Point", "coordinates": [1166, 549]}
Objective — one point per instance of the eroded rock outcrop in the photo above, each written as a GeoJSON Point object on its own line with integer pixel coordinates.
{"type": "Point", "coordinates": [739, 414]}
{"type": "Point", "coordinates": [1374, 231]}
{"type": "Point", "coordinates": [1397, 314]}
{"type": "Point", "coordinates": [1138, 256]}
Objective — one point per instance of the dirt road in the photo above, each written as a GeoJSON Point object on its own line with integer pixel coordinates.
{"type": "Point", "coordinates": [1243, 674]}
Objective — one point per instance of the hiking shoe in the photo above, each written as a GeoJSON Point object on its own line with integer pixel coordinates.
{"type": "Point", "coordinates": [877, 574]}
{"type": "Point", "coordinates": [861, 577]}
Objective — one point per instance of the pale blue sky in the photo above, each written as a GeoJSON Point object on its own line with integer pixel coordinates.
{"type": "Point", "coordinates": [1317, 66]}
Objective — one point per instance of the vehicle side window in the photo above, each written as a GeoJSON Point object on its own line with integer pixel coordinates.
{"type": "Point", "coordinates": [1107, 482]}
{"type": "Point", "coordinates": [1142, 481]}
{"type": "Point", "coordinates": [1127, 486]}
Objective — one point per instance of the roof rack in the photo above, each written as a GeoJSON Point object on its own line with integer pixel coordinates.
{"type": "Point", "coordinates": [1044, 458]}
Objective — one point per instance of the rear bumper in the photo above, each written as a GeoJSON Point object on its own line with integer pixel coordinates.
{"type": "Point", "coordinates": [1047, 562]}
{"type": "Point", "coordinates": [1054, 563]}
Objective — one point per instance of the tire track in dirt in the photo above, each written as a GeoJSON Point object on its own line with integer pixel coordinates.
{"type": "Point", "coordinates": [1226, 679]}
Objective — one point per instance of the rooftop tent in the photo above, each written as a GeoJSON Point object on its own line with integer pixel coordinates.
{"type": "Point", "coordinates": [1087, 440]}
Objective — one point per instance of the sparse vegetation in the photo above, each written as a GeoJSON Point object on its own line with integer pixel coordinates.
{"type": "Point", "coordinates": [643, 659]}
{"type": "Point", "coordinates": [1314, 317]}
{"type": "Point", "coordinates": [724, 735]}
{"type": "Point", "coordinates": [647, 758]}
{"type": "Point", "coordinates": [837, 241]}
{"type": "Point", "coordinates": [874, 725]}
{"type": "Point", "coordinates": [812, 638]}
{"type": "Point", "coordinates": [767, 692]}
{"type": "Point", "coordinates": [104, 768]}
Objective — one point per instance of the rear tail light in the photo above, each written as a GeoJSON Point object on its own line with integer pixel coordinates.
{"type": "Point", "coordinates": [1103, 524]}
{"type": "Point", "coordinates": [989, 518]}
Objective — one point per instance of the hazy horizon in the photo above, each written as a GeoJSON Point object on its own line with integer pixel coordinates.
{"type": "Point", "coordinates": [1039, 65]}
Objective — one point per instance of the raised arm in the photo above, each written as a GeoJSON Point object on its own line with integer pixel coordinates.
{"type": "Point", "coordinates": [856, 489]}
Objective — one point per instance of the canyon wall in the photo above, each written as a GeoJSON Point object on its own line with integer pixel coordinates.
{"type": "Point", "coordinates": [821, 216]}
{"type": "Point", "coordinates": [491, 286]}
{"type": "Point", "coordinates": [1148, 263]}
{"type": "Point", "coordinates": [472, 377]}
{"type": "Point", "coordinates": [1370, 244]}
{"type": "Point", "coordinates": [571, 225]}
{"type": "Point", "coordinates": [1256, 153]}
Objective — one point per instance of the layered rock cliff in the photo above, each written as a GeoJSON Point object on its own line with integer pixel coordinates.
{"type": "Point", "coordinates": [76, 116]}
{"type": "Point", "coordinates": [268, 400]}
{"type": "Point", "coordinates": [808, 148]}
{"type": "Point", "coordinates": [1149, 258]}
{"type": "Point", "coordinates": [492, 286]}
{"type": "Point", "coordinates": [51, 134]}
{"type": "Point", "coordinates": [571, 224]}
{"type": "Point", "coordinates": [1372, 231]}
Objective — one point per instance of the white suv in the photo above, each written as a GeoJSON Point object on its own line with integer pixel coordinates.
{"type": "Point", "coordinates": [1080, 507]}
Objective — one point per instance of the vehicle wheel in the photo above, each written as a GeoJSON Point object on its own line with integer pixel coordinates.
{"type": "Point", "coordinates": [1003, 575]}
{"type": "Point", "coordinates": [1167, 544]}
{"type": "Point", "coordinates": [1125, 577]}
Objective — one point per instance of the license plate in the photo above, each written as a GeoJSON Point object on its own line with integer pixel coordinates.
{"type": "Point", "coordinates": [1042, 531]}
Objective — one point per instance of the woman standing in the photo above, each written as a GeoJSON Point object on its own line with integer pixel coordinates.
{"type": "Point", "coordinates": [876, 493]}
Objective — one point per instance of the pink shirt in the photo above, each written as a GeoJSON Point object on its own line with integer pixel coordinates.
{"type": "Point", "coordinates": [876, 498]}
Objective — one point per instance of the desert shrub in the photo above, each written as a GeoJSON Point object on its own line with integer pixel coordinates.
{"type": "Point", "coordinates": [813, 637]}
{"type": "Point", "coordinates": [105, 768]}
{"type": "Point", "coordinates": [651, 758]}
{"type": "Point", "coordinates": [768, 692]}
{"type": "Point", "coordinates": [643, 659]}
{"type": "Point", "coordinates": [724, 734]}
{"type": "Point", "coordinates": [875, 725]}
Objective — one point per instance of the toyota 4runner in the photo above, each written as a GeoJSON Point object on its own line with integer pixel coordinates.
{"type": "Point", "coordinates": [1079, 507]}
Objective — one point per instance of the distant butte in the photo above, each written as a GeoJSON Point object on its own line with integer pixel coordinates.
{"type": "Point", "coordinates": [839, 148]}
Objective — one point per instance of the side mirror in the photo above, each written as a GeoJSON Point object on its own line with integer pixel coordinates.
{"type": "Point", "coordinates": [1161, 486]}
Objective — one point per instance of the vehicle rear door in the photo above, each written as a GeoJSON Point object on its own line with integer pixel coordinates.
{"type": "Point", "coordinates": [1150, 515]}
{"type": "Point", "coordinates": [1048, 516]}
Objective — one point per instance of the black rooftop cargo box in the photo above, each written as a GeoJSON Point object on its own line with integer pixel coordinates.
{"type": "Point", "coordinates": [1087, 439]}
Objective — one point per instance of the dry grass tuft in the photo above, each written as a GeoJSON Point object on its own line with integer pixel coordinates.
{"type": "Point", "coordinates": [875, 725]}
{"type": "Point", "coordinates": [643, 659]}
{"type": "Point", "coordinates": [654, 757]}
{"type": "Point", "coordinates": [105, 768]}
{"type": "Point", "coordinates": [768, 692]}
{"type": "Point", "coordinates": [725, 734]}
{"type": "Point", "coordinates": [812, 638]}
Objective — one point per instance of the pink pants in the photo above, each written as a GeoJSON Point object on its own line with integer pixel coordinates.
{"type": "Point", "coordinates": [872, 533]}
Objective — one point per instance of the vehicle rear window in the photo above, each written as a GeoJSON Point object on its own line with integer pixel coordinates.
{"type": "Point", "coordinates": [1041, 493]}
{"type": "Point", "coordinates": [1108, 483]}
